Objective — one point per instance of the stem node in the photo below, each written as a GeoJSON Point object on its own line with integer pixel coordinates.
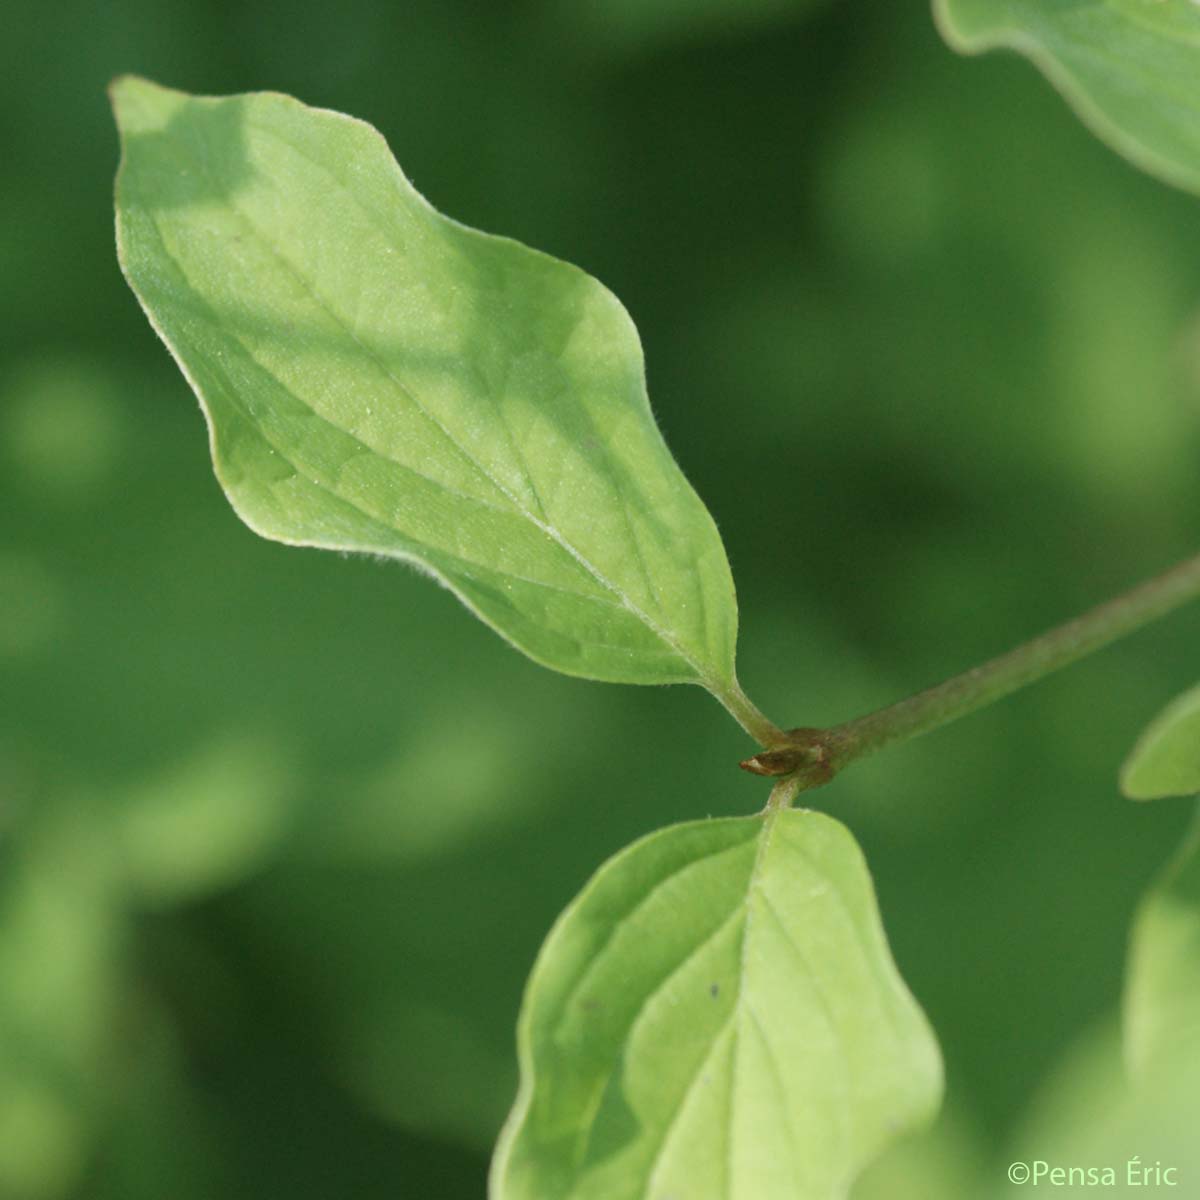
{"type": "Point", "coordinates": [805, 758]}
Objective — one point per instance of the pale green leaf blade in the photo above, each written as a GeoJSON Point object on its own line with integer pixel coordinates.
{"type": "Point", "coordinates": [1129, 68]}
{"type": "Point", "coordinates": [1102, 1133]}
{"type": "Point", "coordinates": [717, 1016]}
{"type": "Point", "coordinates": [1166, 759]}
{"type": "Point", "coordinates": [1162, 986]}
{"type": "Point", "coordinates": [379, 378]}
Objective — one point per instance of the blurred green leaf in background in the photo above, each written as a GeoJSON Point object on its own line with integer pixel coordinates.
{"type": "Point", "coordinates": [1162, 997]}
{"type": "Point", "coordinates": [280, 834]}
{"type": "Point", "coordinates": [1127, 67]}
{"type": "Point", "coordinates": [1166, 759]}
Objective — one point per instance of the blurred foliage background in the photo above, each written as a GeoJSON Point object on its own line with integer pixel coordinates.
{"type": "Point", "coordinates": [280, 832]}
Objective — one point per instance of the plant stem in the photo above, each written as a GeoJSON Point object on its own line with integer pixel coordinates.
{"type": "Point", "coordinates": [748, 715]}
{"type": "Point", "coordinates": [816, 755]}
{"type": "Point", "coordinates": [783, 793]}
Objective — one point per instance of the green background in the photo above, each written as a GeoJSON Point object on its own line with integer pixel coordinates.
{"type": "Point", "coordinates": [280, 832]}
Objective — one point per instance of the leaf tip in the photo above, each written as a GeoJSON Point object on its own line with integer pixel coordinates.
{"type": "Point", "coordinates": [140, 105]}
{"type": "Point", "coordinates": [1131, 791]}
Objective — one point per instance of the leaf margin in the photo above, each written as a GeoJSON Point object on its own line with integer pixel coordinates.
{"type": "Point", "coordinates": [1092, 114]}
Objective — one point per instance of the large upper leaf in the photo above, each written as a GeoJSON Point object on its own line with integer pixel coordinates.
{"type": "Point", "coordinates": [377, 377]}
{"type": "Point", "coordinates": [1130, 68]}
{"type": "Point", "coordinates": [1162, 990]}
{"type": "Point", "coordinates": [717, 1016]}
{"type": "Point", "coordinates": [1166, 759]}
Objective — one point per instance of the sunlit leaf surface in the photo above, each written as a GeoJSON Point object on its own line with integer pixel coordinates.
{"type": "Point", "coordinates": [379, 378]}
{"type": "Point", "coordinates": [717, 1015]}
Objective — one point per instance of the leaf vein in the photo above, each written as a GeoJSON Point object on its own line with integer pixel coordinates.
{"type": "Point", "coordinates": [547, 528]}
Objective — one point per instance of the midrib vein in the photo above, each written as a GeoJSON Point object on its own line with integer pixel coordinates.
{"type": "Point", "coordinates": [732, 1019]}
{"type": "Point", "coordinates": [764, 842]}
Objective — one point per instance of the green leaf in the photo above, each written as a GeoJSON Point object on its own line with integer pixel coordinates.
{"type": "Point", "coordinates": [1166, 759]}
{"type": "Point", "coordinates": [378, 378]}
{"type": "Point", "coordinates": [944, 1162]}
{"type": "Point", "coordinates": [203, 823]}
{"type": "Point", "coordinates": [1136, 1136]}
{"type": "Point", "coordinates": [1162, 990]}
{"type": "Point", "coordinates": [717, 1015]}
{"type": "Point", "coordinates": [1129, 68]}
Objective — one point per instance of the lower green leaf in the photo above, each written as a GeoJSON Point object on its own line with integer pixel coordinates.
{"type": "Point", "coordinates": [717, 1015]}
